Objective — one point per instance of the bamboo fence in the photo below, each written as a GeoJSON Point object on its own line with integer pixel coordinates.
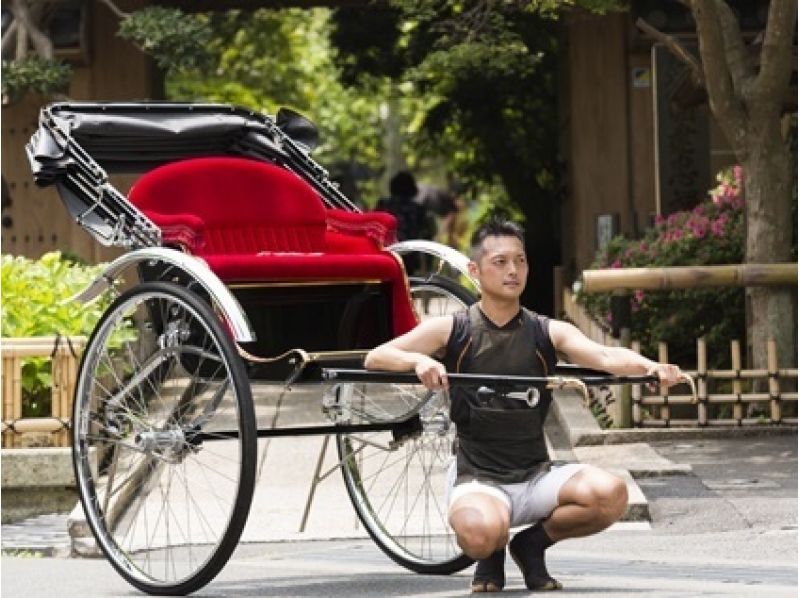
{"type": "Point", "coordinates": [63, 353]}
{"type": "Point", "coordinates": [728, 408]}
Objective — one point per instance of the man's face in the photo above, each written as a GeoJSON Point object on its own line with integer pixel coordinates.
{"type": "Point", "coordinates": [502, 268]}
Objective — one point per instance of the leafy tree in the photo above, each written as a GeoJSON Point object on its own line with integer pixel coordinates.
{"type": "Point", "coordinates": [746, 97]}
{"type": "Point", "coordinates": [487, 73]}
{"type": "Point", "coordinates": [175, 41]}
{"type": "Point", "coordinates": [265, 59]}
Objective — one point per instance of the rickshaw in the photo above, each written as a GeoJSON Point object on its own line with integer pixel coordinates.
{"type": "Point", "coordinates": [250, 284]}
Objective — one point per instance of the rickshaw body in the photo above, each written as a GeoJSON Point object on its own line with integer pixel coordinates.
{"type": "Point", "coordinates": [247, 274]}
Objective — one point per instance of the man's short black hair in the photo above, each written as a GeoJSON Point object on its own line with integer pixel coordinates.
{"type": "Point", "coordinates": [496, 226]}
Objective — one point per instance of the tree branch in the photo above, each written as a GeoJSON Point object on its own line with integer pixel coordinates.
{"type": "Point", "coordinates": [115, 9]}
{"type": "Point", "coordinates": [42, 43]}
{"type": "Point", "coordinates": [776, 54]}
{"type": "Point", "coordinates": [736, 55]}
{"type": "Point", "coordinates": [726, 107]}
{"type": "Point", "coordinates": [676, 48]}
{"type": "Point", "coordinates": [9, 37]}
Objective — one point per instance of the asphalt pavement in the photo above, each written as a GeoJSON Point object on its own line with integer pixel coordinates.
{"type": "Point", "coordinates": [723, 522]}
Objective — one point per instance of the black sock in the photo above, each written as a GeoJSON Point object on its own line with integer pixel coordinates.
{"type": "Point", "coordinates": [492, 569]}
{"type": "Point", "coordinates": [527, 548]}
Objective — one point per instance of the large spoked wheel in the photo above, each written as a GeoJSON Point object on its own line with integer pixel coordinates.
{"type": "Point", "coordinates": [397, 480]}
{"type": "Point", "coordinates": [164, 439]}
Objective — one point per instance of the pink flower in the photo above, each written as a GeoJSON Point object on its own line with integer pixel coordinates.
{"type": "Point", "coordinates": [616, 264]}
{"type": "Point", "coordinates": [672, 219]}
{"type": "Point", "coordinates": [659, 219]}
{"type": "Point", "coordinates": [608, 317]}
{"type": "Point", "coordinates": [699, 210]}
{"type": "Point", "coordinates": [638, 296]}
{"type": "Point", "coordinates": [643, 246]}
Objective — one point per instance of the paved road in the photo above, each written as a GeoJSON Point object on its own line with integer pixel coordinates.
{"type": "Point", "coordinates": [356, 568]}
{"type": "Point", "coordinates": [728, 529]}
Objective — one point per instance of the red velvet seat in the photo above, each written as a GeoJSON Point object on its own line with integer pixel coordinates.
{"type": "Point", "coordinates": [254, 221]}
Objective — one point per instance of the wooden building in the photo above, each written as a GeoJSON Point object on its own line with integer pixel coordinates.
{"type": "Point", "coordinates": [639, 139]}
{"type": "Point", "coordinates": [106, 67]}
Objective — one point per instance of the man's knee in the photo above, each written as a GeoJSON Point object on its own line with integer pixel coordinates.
{"type": "Point", "coordinates": [610, 498]}
{"type": "Point", "coordinates": [605, 493]}
{"type": "Point", "coordinates": [479, 532]}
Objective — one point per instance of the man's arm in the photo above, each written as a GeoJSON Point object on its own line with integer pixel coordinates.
{"type": "Point", "coordinates": [412, 352]}
{"type": "Point", "coordinates": [579, 349]}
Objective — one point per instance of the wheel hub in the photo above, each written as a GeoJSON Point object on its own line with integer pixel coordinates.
{"type": "Point", "coordinates": [169, 444]}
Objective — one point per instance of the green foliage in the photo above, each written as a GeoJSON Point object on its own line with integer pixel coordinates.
{"type": "Point", "coordinates": [34, 73]}
{"type": "Point", "coordinates": [266, 59]}
{"type": "Point", "coordinates": [175, 40]}
{"type": "Point", "coordinates": [711, 233]}
{"type": "Point", "coordinates": [34, 294]}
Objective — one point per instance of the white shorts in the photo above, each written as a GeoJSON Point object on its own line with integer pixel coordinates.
{"type": "Point", "coordinates": [528, 502]}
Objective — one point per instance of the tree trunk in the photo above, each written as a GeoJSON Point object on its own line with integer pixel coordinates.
{"type": "Point", "coordinates": [771, 311]}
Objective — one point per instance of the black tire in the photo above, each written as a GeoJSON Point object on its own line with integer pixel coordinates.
{"type": "Point", "coordinates": [415, 534]}
{"type": "Point", "coordinates": [167, 503]}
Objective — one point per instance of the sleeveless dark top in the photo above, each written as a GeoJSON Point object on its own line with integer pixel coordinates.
{"type": "Point", "coordinates": [501, 439]}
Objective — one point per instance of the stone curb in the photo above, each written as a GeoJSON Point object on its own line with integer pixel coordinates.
{"type": "Point", "coordinates": [583, 430]}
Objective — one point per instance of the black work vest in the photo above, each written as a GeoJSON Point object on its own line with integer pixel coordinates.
{"type": "Point", "coordinates": [500, 439]}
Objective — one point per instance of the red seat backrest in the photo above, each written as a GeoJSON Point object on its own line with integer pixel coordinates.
{"type": "Point", "coordinates": [245, 206]}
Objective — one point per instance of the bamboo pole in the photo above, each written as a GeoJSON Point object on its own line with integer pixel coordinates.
{"type": "Point", "coordinates": [33, 424]}
{"type": "Point", "coordinates": [64, 370]}
{"type": "Point", "coordinates": [16, 392]}
{"type": "Point", "coordinates": [702, 382]}
{"type": "Point", "coordinates": [736, 364]}
{"type": "Point", "coordinates": [8, 396]}
{"type": "Point", "coordinates": [689, 277]}
{"type": "Point", "coordinates": [774, 383]}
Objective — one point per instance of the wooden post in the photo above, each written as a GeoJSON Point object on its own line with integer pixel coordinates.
{"type": "Point", "coordinates": [56, 368]}
{"type": "Point", "coordinates": [774, 384]}
{"type": "Point", "coordinates": [8, 397]}
{"type": "Point", "coordinates": [636, 394]}
{"type": "Point", "coordinates": [621, 323]}
{"type": "Point", "coordinates": [663, 357]}
{"type": "Point", "coordinates": [736, 364]}
{"type": "Point", "coordinates": [16, 393]}
{"type": "Point", "coordinates": [702, 383]}
{"type": "Point", "coordinates": [625, 399]}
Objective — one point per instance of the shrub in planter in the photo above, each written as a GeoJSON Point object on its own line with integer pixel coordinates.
{"type": "Point", "coordinates": [711, 233]}
{"type": "Point", "coordinates": [33, 304]}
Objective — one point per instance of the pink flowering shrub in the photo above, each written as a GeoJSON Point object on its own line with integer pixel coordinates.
{"type": "Point", "coordinates": [711, 233]}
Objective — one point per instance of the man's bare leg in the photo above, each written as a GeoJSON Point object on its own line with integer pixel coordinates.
{"type": "Point", "coordinates": [588, 502]}
{"type": "Point", "coordinates": [481, 523]}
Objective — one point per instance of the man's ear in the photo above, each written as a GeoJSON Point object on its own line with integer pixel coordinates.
{"type": "Point", "coordinates": [472, 268]}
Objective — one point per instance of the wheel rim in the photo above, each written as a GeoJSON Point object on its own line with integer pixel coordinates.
{"type": "Point", "coordinates": [159, 501]}
{"type": "Point", "coordinates": [398, 481]}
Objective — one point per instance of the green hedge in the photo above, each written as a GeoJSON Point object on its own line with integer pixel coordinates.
{"type": "Point", "coordinates": [712, 233]}
{"type": "Point", "coordinates": [34, 294]}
